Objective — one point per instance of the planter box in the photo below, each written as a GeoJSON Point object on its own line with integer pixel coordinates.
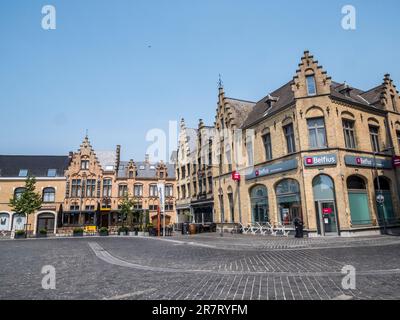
{"type": "Point", "coordinates": [141, 234]}
{"type": "Point", "coordinates": [133, 234]}
{"type": "Point", "coordinates": [147, 234]}
{"type": "Point", "coordinates": [40, 235]}
{"type": "Point", "coordinates": [122, 234]}
{"type": "Point", "coordinates": [19, 236]}
{"type": "Point", "coordinates": [78, 234]}
{"type": "Point", "coordinates": [103, 234]}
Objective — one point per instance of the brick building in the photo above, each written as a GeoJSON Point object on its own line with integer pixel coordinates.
{"type": "Point", "coordinates": [84, 189]}
{"type": "Point", "coordinates": [314, 149]}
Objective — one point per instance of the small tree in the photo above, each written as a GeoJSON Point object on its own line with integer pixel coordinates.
{"type": "Point", "coordinates": [126, 206]}
{"type": "Point", "coordinates": [28, 201]}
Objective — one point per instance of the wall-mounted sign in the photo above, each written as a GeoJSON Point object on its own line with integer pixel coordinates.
{"type": "Point", "coordinates": [235, 176]}
{"type": "Point", "coordinates": [396, 161]}
{"type": "Point", "coordinates": [368, 162]}
{"type": "Point", "coordinates": [320, 160]}
{"type": "Point", "coordinates": [273, 169]}
{"type": "Point", "coordinates": [327, 210]}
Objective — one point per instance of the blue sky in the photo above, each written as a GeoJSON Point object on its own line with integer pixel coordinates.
{"type": "Point", "coordinates": [120, 68]}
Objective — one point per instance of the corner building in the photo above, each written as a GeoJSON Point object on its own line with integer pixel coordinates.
{"type": "Point", "coordinates": [322, 151]}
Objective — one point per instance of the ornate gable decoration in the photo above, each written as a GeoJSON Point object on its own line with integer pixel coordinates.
{"type": "Point", "coordinates": [85, 153]}
{"type": "Point", "coordinates": [390, 96]}
{"type": "Point", "coordinates": [310, 67]}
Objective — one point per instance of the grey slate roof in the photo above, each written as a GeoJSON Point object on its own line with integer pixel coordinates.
{"type": "Point", "coordinates": [144, 170]}
{"type": "Point", "coordinates": [37, 166]}
{"type": "Point", "coordinates": [107, 158]}
{"type": "Point", "coordinates": [284, 97]}
{"type": "Point", "coordinates": [241, 109]}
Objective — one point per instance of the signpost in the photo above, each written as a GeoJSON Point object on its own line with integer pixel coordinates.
{"type": "Point", "coordinates": [161, 196]}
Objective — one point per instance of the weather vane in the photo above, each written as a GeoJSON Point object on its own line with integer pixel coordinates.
{"type": "Point", "coordinates": [220, 83]}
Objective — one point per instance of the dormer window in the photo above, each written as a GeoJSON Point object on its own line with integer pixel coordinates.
{"type": "Point", "coordinates": [23, 173]}
{"type": "Point", "coordinates": [109, 168]}
{"type": "Point", "coordinates": [141, 167]}
{"type": "Point", "coordinates": [51, 173]}
{"type": "Point", "coordinates": [131, 174]}
{"type": "Point", "coordinates": [311, 87]}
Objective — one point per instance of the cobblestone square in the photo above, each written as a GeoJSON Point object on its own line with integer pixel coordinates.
{"type": "Point", "coordinates": [202, 267]}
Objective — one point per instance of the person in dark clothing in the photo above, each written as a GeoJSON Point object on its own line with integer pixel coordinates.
{"type": "Point", "coordinates": [298, 225]}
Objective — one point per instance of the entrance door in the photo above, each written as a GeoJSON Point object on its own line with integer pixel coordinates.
{"type": "Point", "coordinates": [327, 218]}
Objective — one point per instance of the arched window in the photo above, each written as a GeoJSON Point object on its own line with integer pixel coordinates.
{"type": "Point", "coordinates": [231, 204]}
{"type": "Point", "coordinates": [4, 221]}
{"type": "Point", "coordinates": [289, 201]}
{"type": "Point", "coordinates": [49, 195]}
{"type": "Point", "coordinates": [385, 206]}
{"type": "Point", "coordinates": [259, 204]}
{"type": "Point", "coordinates": [358, 201]}
{"type": "Point", "coordinates": [18, 192]}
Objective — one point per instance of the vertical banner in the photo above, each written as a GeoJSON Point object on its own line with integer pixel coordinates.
{"type": "Point", "coordinates": [161, 196]}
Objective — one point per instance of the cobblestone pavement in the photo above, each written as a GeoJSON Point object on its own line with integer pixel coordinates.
{"type": "Point", "coordinates": [233, 267]}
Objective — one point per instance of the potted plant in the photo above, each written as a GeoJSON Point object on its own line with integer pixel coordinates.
{"type": "Point", "coordinates": [103, 232]}
{"type": "Point", "coordinates": [19, 234]}
{"type": "Point", "coordinates": [123, 231]}
{"type": "Point", "coordinates": [78, 232]}
{"type": "Point", "coordinates": [148, 228]}
{"type": "Point", "coordinates": [42, 233]}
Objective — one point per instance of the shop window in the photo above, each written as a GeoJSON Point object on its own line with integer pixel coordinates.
{"type": "Point", "coordinates": [259, 204]}
{"type": "Point", "coordinates": [289, 201]}
{"type": "Point", "coordinates": [231, 205]}
{"type": "Point", "coordinates": [316, 133]}
{"type": "Point", "coordinates": [385, 209]}
{"type": "Point", "coordinates": [358, 200]}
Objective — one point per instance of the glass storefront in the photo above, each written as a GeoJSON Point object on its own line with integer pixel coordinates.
{"type": "Point", "coordinates": [358, 200]}
{"type": "Point", "coordinates": [289, 201]}
{"type": "Point", "coordinates": [259, 204]}
{"type": "Point", "coordinates": [385, 209]}
{"type": "Point", "coordinates": [325, 205]}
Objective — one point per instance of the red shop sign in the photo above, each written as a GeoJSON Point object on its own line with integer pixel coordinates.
{"type": "Point", "coordinates": [327, 210]}
{"type": "Point", "coordinates": [396, 161]}
{"type": "Point", "coordinates": [235, 176]}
